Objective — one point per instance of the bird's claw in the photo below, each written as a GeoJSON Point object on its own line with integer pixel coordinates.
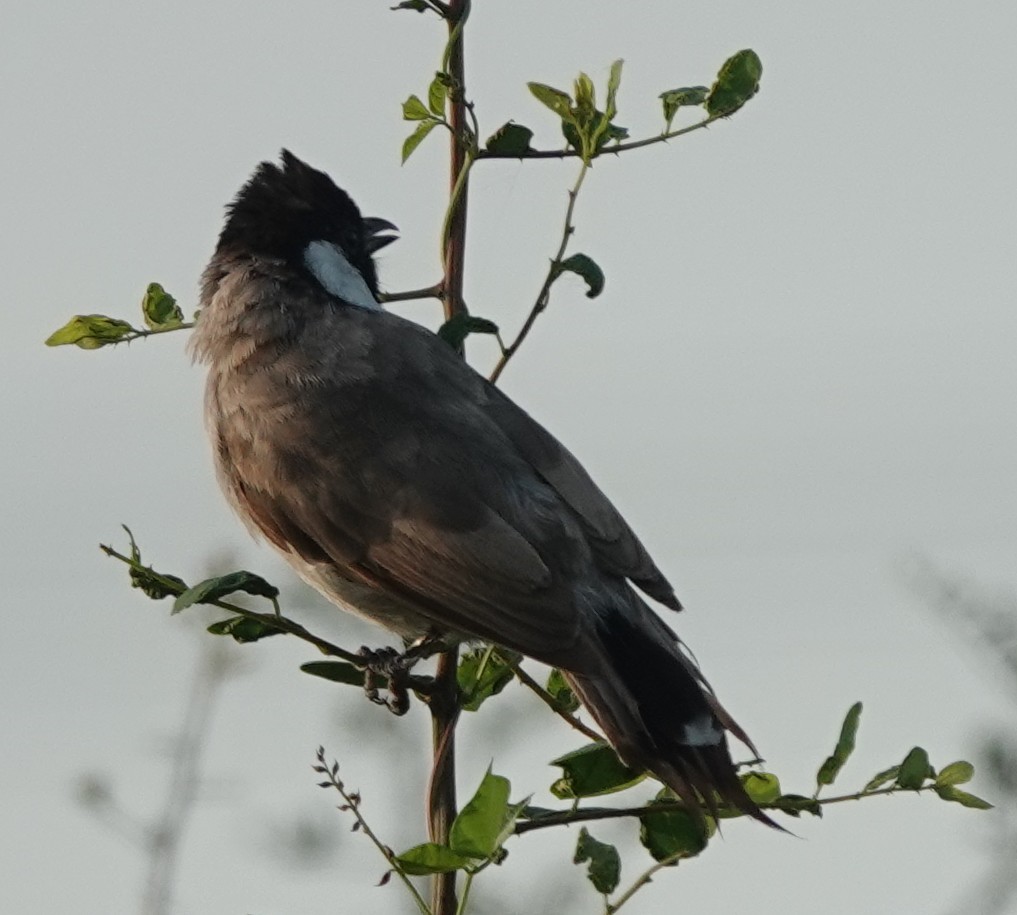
{"type": "Point", "coordinates": [387, 664]}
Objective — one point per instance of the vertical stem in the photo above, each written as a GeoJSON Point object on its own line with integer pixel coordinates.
{"type": "Point", "coordinates": [454, 243]}
{"type": "Point", "coordinates": [444, 703]}
{"type": "Point", "coordinates": [441, 792]}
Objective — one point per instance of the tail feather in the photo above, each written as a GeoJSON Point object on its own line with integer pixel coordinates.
{"type": "Point", "coordinates": [659, 713]}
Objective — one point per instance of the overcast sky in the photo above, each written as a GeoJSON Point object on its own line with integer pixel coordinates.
{"type": "Point", "coordinates": [800, 376]}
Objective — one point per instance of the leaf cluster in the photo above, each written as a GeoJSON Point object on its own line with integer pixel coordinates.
{"type": "Point", "coordinates": [586, 128]}
{"type": "Point", "coordinates": [159, 311]}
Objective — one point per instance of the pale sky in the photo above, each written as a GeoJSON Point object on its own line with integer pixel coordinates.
{"type": "Point", "coordinates": [800, 375]}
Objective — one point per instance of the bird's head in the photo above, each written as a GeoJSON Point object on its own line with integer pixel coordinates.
{"type": "Point", "coordinates": [297, 214]}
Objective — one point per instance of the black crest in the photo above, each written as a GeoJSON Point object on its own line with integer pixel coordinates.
{"type": "Point", "coordinates": [283, 208]}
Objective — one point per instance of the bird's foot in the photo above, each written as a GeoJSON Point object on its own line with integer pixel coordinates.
{"type": "Point", "coordinates": [394, 667]}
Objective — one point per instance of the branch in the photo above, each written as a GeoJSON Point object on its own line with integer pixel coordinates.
{"type": "Point", "coordinates": [138, 333]}
{"type": "Point", "coordinates": [641, 881]}
{"type": "Point", "coordinates": [462, 152]}
{"type": "Point", "coordinates": [586, 814]}
{"type": "Point", "coordinates": [174, 586]}
{"type": "Point", "coordinates": [444, 701]}
{"type": "Point", "coordinates": [551, 703]}
{"type": "Point", "coordinates": [618, 148]}
{"type": "Point", "coordinates": [436, 291]}
{"type": "Point", "coordinates": [553, 272]}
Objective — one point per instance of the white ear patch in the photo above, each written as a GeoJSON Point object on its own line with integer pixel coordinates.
{"type": "Point", "coordinates": [337, 275]}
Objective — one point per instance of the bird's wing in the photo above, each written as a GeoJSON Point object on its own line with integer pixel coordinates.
{"type": "Point", "coordinates": [484, 578]}
{"type": "Point", "coordinates": [389, 468]}
{"type": "Point", "coordinates": [398, 465]}
{"type": "Point", "coordinates": [488, 582]}
{"type": "Point", "coordinates": [618, 550]}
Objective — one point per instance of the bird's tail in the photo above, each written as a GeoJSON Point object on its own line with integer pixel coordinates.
{"type": "Point", "coordinates": [660, 715]}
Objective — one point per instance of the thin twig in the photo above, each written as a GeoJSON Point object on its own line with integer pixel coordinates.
{"type": "Point", "coordinates": [271, 620]}
{"type": "Point", "coordinates": [352, 805]}
{"type": "Point", "coordinates": [454, 236]}
{"type": "Point", "coordinates": [428, 292]}
{"type": "Point", "coordinates": [523, 677]}
{"type": "Point", "coordinates": [138, 333]}
{"type": "Point", "coordinates": [586, 814]}
{"type": "Point", "coordinates": [641, 881]}
{"type": "Point", "coordinates": [607, 150]}
{"type": "Point", "coordinates": [858, 795]}
{"type": "Point", "coordinates": [467, 886]}
{"type": "Point", "coordinates": [553, 272]}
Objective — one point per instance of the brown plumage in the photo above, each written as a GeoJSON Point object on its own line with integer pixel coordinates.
{"type": "Point", "coordinates": [405, 487]}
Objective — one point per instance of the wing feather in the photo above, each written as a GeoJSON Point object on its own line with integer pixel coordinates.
{"type": "Point", "coordinates": [614, 543]}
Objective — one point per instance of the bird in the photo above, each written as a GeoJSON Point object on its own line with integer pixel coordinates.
{"type": "Point", "coordinates": [406, 488]}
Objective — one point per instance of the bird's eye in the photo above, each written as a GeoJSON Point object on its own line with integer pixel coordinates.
{"type": "Point", "coordinates": [350, 241]}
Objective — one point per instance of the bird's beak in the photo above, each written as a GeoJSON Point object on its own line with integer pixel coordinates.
{"type": "Point", "coordinates": [374, 240]}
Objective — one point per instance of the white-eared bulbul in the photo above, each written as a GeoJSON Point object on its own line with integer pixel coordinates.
{"type": "Point", "coordinates": [405, 487]}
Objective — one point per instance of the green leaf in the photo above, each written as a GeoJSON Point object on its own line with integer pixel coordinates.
{"type": "Point", "coordinates": [828, 772]}
{"type": "Point", "coordinates": [336, 671]}
{"type": "Point", "coordinates": [762, 787]}
{"type": "Point", "coordinates": [613, 82]}
{"type": "Point", "coordinates": [155, 585]}
{"type": "Point", "coordinates": [559, 102]}
{"type": "Point", "coordinates": [212, 589]}
{"type": "Point", "coordinates": [604, 869]}
{"type": "Point", "coordinates": [415, 110]}
{"type": "Point", "coordinates": [914, 770]}
{"type": "Point", "coordinates": [561, 692]}
{"type": "Point", "coordinates": [510, 140]}
{"type": "Point", "coordinates": [437, 93]}
{"type": "Point", "coordinates": [952, 793]}
{"type": "Point", "coordinates": [600, 132]}
{"type": "Point", "coordinates": [160, 309]}
{"type": "Point", "coordinates": [957, 773]}
{"type": "Point", "coordinates": [686, 97]}
{"type": "Point", "coordinates": [591, 771]}
{"type": "Point", "coordinates": [431, 858]}
{"type": "Point", "coordinates": [90, 332]}
{"type": "Point", "coordinates": [797, 804]}
{"type": "Point", "coordinates": [480, 827]}
{"type": "Point", "coordinates": [482, 673]}
{"type": "Point", "coordinates": [416, 138]}
{"type": "Point", "coordinates": [737, 82]}
{"type": "Point", "coordinates": [665, 833]}
{"type": "Point", "coordinates": [583, 265]}
{"type": "Point", "coordinates": [882, 778]}
{"type": "Point", "coordinates": [243, 629]}
{"type": "Point", "coordinates": [586, 97]}
{"type": "Point", "coordinates": [586, 129]}
{"type": "Point", "coordinates": [455, 330]}
{"type": "Point", "coordinates": [597, 124]}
